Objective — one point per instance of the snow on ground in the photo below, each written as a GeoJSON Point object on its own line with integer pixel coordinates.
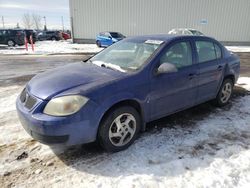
{"type": "Point", "coordinates": [238, 48]}
{"type": "Point", "coordinates": [208, 151]}
{"type": "Point", "coordinates": [52, 47]}
{"type": "Point", "coordinates": [62, 47]}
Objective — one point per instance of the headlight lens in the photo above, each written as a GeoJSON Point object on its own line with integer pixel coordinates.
{"type": "Point", "coordinates": [66, 105]}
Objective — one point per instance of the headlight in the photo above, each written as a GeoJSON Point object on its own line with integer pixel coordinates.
{"type": "Point", "coordinates": [66, 105]}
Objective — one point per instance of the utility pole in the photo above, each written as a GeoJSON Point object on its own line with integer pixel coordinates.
{"type": "Point", "coordinates": [45, 23]}
{"type": "Point", "coordinates": [3, 21]}
{"type": "Point", "coordinates": [62, 23]}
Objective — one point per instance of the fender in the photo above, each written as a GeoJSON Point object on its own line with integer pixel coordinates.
{"type": "Point", "coordinates": [115, 99]}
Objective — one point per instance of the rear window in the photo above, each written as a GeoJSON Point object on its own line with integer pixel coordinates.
{"type": "Point", "coordinates": [206, 51]}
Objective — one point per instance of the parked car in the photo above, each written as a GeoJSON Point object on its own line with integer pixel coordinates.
{"type": "Point", "coordinates": [49, 35]}
{"type": "Point", "coordinates": [65, 36]}
{"type": "Point", "coordinates": [11, 37]}
{"type": "Point", "coordinates": [30, 32]}
{"type": "Point", "coordinates": [112, 96]}
{"type": "Point", "coordinates": [185, 31]}
{"type": "Point", "coordinates": [105, 39]}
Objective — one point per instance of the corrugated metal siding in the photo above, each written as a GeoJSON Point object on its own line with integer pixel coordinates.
{"type": "Point", "coordinates": [227, 20]}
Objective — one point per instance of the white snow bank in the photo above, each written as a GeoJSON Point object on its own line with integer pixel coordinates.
{"type": "Point", "coordinates": [244, 82]}
{"type": "Point", "coordinates": [61, 47]}
{"type": "Point", "coordinates": [52, 47]}
{"type": "Point", "coordinates": [238, 48]}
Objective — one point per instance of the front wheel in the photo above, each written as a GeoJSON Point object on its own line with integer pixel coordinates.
{"type": "Point", "coordinates": [98, 43]}
{"type": "Point", "coordinates": [119, 129]}
{"type": "Point", "coordinates": [11, 43]}
{"type": "Point", "coordinates": [225, 93]}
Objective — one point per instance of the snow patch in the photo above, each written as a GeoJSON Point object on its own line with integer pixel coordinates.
{"type": "Point", "coordinates": [61, 47]}
{"type": "Point", "coordinates": [52, 47]}
{"type": "Point", "coordinates": [238, 48]}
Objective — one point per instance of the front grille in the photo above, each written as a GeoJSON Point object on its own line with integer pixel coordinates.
{"type": "Point", "coordinates": [28, 100]}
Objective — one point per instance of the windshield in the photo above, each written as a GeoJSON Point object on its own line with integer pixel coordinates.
{"type": "Point", "coordinates": [126, 55]}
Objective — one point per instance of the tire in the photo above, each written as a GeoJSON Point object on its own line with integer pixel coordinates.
{"type": "Point", "coordinates": [98, 43]}
{"type": "Point", "coordinates": [119, 129]}
{"type": "Point", "coordinates": [11, 43]}
{"type": "Point", "coordinates": [53, 38]}
{"type": "Point", "coordinates": [224, 93]}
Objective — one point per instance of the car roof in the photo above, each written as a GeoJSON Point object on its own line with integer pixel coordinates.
{"type": "Point", "coordinates": [168, 37]}
{"type": "Point", "coordinates": [185, 29]}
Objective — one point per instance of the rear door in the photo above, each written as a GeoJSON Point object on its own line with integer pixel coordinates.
{"type": "Point", "coordinates": [210, 71]}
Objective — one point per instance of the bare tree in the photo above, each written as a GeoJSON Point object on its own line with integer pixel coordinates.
{"type": "Point", "coordinates": [37, 20]}
{"type": "Point", "coordinates": [27, 21]}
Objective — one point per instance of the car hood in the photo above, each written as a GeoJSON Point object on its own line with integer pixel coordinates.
{"type": "Point", "coordinates": [48, 84]}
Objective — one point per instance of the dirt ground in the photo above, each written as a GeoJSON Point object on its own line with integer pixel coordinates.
{"type": "Point", "coordinates": [17, 70]}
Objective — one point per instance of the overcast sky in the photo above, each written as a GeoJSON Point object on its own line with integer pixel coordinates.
{"type": "Point", "coordinates": [13, 10]}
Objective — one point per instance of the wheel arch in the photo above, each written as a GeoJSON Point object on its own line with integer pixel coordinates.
{"type": "Point", "coordinates": [230, 76]}
{"type": "Point", "coordinates": [126, 102]}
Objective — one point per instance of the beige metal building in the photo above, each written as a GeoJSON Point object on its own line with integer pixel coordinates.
{"type": "Point", "coordinates": [226, 20]}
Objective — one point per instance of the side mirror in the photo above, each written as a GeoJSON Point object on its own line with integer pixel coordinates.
{"type": "Point", "coordinates": [166, 68]}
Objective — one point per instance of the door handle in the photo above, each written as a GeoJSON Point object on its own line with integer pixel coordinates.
{"type": "Point", "coordinates": [219, 68]}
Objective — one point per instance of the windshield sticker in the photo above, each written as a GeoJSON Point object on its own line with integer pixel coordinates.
{"type": "Point", "coordinates": [154, 42]}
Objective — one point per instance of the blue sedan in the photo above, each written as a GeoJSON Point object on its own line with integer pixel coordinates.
{"type": "Point", "coordinates": [105, 39]}
{"type": "Point", "coordinates": [112, 96]}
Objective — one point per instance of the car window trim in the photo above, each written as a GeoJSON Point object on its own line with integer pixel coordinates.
{"type": "Point", "coordinates": [154, 62]}
{"type": "Point", "coordinates": [175, 42]}
{"type": "Point", "coordinates": [220, 50]}
{"type": "Point", "coordinates": [196, 51]}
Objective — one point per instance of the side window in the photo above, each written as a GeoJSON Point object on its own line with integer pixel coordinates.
{"type": "Point", "coordinates": [1, 33]}
{"type": "Point", "coordinates": [180, 55]}
{"type": "Point", "coordinates": [206, 51]}
{"type": "Point", "coordinates": [218, 51]}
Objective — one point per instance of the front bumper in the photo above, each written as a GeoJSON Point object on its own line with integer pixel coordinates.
{"type": "Point", "coordinates": [75, 129]}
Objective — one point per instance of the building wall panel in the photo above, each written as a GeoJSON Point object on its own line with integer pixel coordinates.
{"type": "Point", "coordinates": [227, 20]}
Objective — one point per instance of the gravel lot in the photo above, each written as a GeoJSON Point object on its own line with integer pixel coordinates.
{"type": "Point", "coordinates": [204, 146]}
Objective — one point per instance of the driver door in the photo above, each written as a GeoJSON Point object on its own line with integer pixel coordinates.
{"type": "Point", "coordinates": [171, 92]}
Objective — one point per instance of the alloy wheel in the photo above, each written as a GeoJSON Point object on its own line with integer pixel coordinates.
{"type": "Point", "coordinates": [226, 92]}
{"type": "Point", "coordinates": [11, 43]}
{"type": "Point", "coordinates": [122, 129]}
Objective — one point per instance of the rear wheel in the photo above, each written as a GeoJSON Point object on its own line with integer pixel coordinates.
{"type": "Point", "coordinates": [11, 43]}
{"type": "Point", "coordinates": [98, 43]}
{"type": "Point", "coordinates": [119, 129]}
{"type": "Point", "coordinates": [225, 93]}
